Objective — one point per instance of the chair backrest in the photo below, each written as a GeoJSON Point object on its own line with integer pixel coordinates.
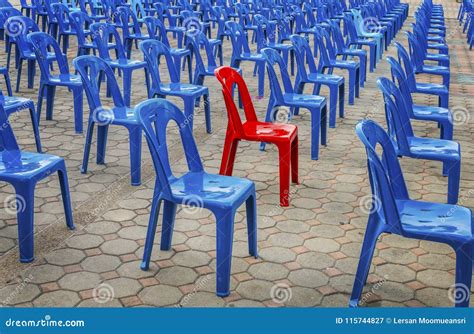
{"type": "Point", "coordinates": [197, 39]}
{"type": "Point", "coordinates": [398, 120]}
{"type": "Point", "coordinates": [48, 5]}
{"type": "Point", "coordinates": [102, 34]}
{"type": "Point", "coordinates": [304, 55]}
{"type": "Point", "coordinates": [152, 50]}
{"type": "Point", "coordinates": [273, 59]}
{"type": "Point", "coordinates": [123, 18]}
{"type": "Point", "coordinates": [156, 29]}
{"type": "Point", "coordinates": [385, 175]}
{"type": "Point", "coordinates": [326, 49]}
{"type": "Point", "coordinates": [399, 75]}
{"type": "Point", "coordinates": [406, 62]}
{"type": "Point", "coordinates": [154, 115]}
{"type": "Point", "coordinates": [238, 39]}
{"type": "Point", "coordinates": [337, 36]}
{"type": "Point", "coordinates": [91, 69]}
{"type": "Point", "coordinates": [416, 53]}
{"type": "Point", "coordinates": [137, 8]}
{"type": "Point", "coordinates": [18, 27]}
{"type": "Point", "coordinates": [61, 13]}
{"type": "Point", "coordinates": [229, 78]}
{"type": "Point", "coordinates": [42, 43]}
{"type": "Point", "coordinates": [79, 21]}
{"type": "Point", "coordinates": [6, 12]}
{"type": "Point", "coordinates": [11, 154]}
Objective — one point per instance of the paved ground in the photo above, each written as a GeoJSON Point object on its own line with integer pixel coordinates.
{"type": "Point", "coordinates": [308, 251]}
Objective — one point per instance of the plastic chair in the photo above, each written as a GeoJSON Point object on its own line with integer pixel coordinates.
{"type": "Point", "coordinates": [4, 72]}
{"type": "Point", "coordinates": [287, 98]}
{"type": "Point", "coordinates": [156, 30]}
{"type": "Point", "coordinates": [152, 52]}
{"type": "Point", "coordinates": [329, 61]}
{"type": "Point", "coordinates": [65, 29]}
{"type": "Point", "coordinates": [335, 83]}
{"type": "Point", "coordinates": [80, 23]}
{"type": "Point", "coordinates": [442, 116]}
{"type": "Point", "coordinates": [354, 42]}
{"type": "Point", "coordinates": [284, 136]}
{"type": "Point", "coordinates": [223, 195]}
{"type": "Point", "coordinates": [91, 70]}
{"type": "Point", "coordinates": [28, 9]}
{"type": "Point", "coordinates": [23, 170]}
{"type": "Point", "coordinates": [401, 132]}
{"type": "Point", "coordinates": [362, 33]}
{"type": "Point", "coordinates": [241, 52]}
{"type": "Point", "coordinates": [420, 87]}
{"type": "Point", "coordinates": [94, 11]}
{"type": "Point", "coordinates": [41, 13]}
{"type": "Point", "coordinates": [394, 212]}
{"type": "Point", "coordinates": [41, 43]}
{"type": "Point", "coordinates": [127, 20]}
{"type": "Point", "coordinates": [105, 33]}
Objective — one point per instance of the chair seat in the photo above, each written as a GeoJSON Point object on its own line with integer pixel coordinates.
{"type": "Point", "coordinates": [431, 88]}
{"type": "Point", "coordinates": [182, 89]}
{"type": "Point", "coordinates": [431, 113]}
{"type": "Point", "coordinates": [344, 63]}
{"type": "Point", "coordinates": [180, 51]}
{"type": "Point", "coordinates": [31, 164]}
{"type": "Point", "coordinates": [326, 78]}
{"type": "Point", "coordinates": [434, 220]}
{"type": "Point", "coordinates": [437, 57]}
{"type": "Point", "coordinates": [211, 189]}
{"type": "Point", "coordinates": [280, 46]}
{"type": "Point", "coordinates": [65, 79]}
{"type": "Point", "coordinates": [304, 100]}
{"type": "Point", "coordinates": [354, 52]}
{"type": "Point", "coordinates": [117, 115]}
{"type": "Point", "coordinates": [127, 63]}
{"type": "Point", "coordinates": [252, 56]}
{"type": "Point", "coordinates": [434, 69]}
{"type": "Point", "coordinates": [16, 103]}
{"type": "Point", "coordinates": [269, 132]}
{"type": "Point", "coordinates": [434, 149]}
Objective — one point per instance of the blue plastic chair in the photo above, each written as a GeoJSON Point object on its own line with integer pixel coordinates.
{"type": "Point", "coordinates": [156, 30]}
{"type": "Point", "coordinates": [354, 42]}
{"type": "Point", "coordinates": [442, 116]}
{"type": "Point", "coordinates": [288, 98]}
{"type": "Point", "coordinates": [401, 132]}
{"type": "Point", "coordinates": [328, 60]}
{"type": "Point", "coordinates": [42, 44]}
{"type": "Point", "coordinates": [104, 34]}
{"type": "Point", "coordinates": [91, 70]}
{"type": "Point", "coordinates": [223, 195]}
{"type": "Point", "coordinates": [65, 29]}
{"type": "Point", "coordinates": [28, 9]}
{"type": "Point", "coordinates": [439, 90]}
{"type": "Point", "coordinates": [394, 212]}
{"type": "Point", "coordinates": [362, 33]}
{"type": "Point", "coordinates": [334, 82]}
{"type": "Point", "coordinates": [241, 52]}
{"type": "Point", "coordinates": [128, 22]}
{"type": "Point", "coordinates": [152, 52]}
{"type": "Point", "coordinates": [442, 58]}
{"type": "Point", "coordinates": [23, 170]}
{"type": "Point", "coordinates": [92, 9]}
{"type": "Point", "coordinates": [6, 76]}
{"type": "Point", "coordinates": [41, 13]}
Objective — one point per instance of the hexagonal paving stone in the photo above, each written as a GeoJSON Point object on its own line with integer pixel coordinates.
{"type": "Point", "coordinates": [322, 245]}
{"type": "Point", "coordinates": [102, 227]}
{"type": "Point", "coordinates": [100, 263]}
{"type": "Point", "coordinates": [119, 247]}
{"type": "Point", "coordinates": [94, 303]}
{"type": "Point", "coordinates": [57, 299]}
{"type": "Point", "coordinates": [308, 278]}
{"type": "Point", "coordinates": [436, 278]}
{"type": "Point", "coordinates": [268, 271]}
{"type": "Point", "coordinates": [277, 254]}
{"type": "Point", "coordinates": [119, 215]}
{"type": "Point", "coordinates": [397, 255]}
{"type": "Point", "coordinates": [202, 243]}
{"type": "Point", "coordinates": [84, 241]}
{"type": "Point", "coordinates": [314, 260]}
{"type": "Point", "coordinates": [434, 297]}
{"type": "Point", "coordinates": [79, 281]}
{"type": "Point", "coordinates": [303, 297]}
{"type": "Point", "coordinates": [133, 270]}
{"type": "Point", "coordinates": [18, 293]}
{"type": "Point", "coordinates": [394, 272]}
{"type": "Point", "coordinates": [437, 261]}
{"type": "Point", "coordinates": [176, 275]}
{"type": "Point", "coordinates": [202, 299]}
{"type": "Point", "coordinates": [45, 273]}
{"type": "Point", "coordinates": [300, 214]}
{"type": "Point", "coordinates": [160, 295]}
{"type": "Point", "coordinates": [327, 231]}
{"type": "Point", "coordinates": [123, 287]}
{"type": "Point", "coordinates": [293, 226]}
{"type": "Point", "coordinates": [191, 259]}
{"type": "Point", "coordinates": [285, 240]}
{"type": "Point", "coordinates": [133, 232]}
{"type": "Point", "coordinates": [65, 256]}
{"type": "Point", "coordinates": [396, 292]}
{"type": "Point", "coordinates": [255, 289]}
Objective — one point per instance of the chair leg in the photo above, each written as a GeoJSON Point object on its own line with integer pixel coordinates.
{"type": "Point", "coordinates": [454, 172]}
{"type": "Point", "coordinates": [135, 154]}
{"type": "Point", "coordinates": [78, 110]}
{"type": "Point", "coordinates": [63, 181]}
{"type": "Point", "coordinates": [127, 86]}
{"type": "Point", "coordinates": [357, 82]}
{"type": "Point", "coordinates": [31, 73]}
{"type": "Point", "coordinates": [370, 239]}
{"type": "Point", "coordinates": [34, 123]}
{"type": "Point", "coordinates": [352, 85]}
{"type": "Point", "coordinates": [224, 239]}
{"type": "Point", "coordinates": [50, 94]}
{"type": "Point", "coordinates": [341, 100]}
{"type": "Point", "coordinates": [333, 90]}
{"type": "Point", "coordinates": [251, 208]}
{"type": "Point", "coordinates": [268, 117]}
{"type": "Point", "coordinates": [228, 155]}
{"type": "Point", "coordinates": [87, 146]}
{"type": "Point", "coordinates": [102, 133]}
{"type": "Point", "coordinates": [150, 235]}
{"type": "Point", "coordinates": [285, 164]}
{"type": "Point", "coordinates": [169, 214]}
{"type": "Point", "coordinates": [189, 104]}
{"type": "Point", "coordinates": [25, 203]}
{"type": "Point", "coordinates": [464, 257]}
{"type": "Point", "coordinates": [8, 84]}
{"type": "Point", "coordinates": [261, 79]}
{"type": "Point", "coordinates": [294, 160]}
{"type": "Point", "coordinates": [207, 113]}
{"type": "Point", "coordinates": [18, 76]}
{"type": "Point", "coordinates": [315, 125]}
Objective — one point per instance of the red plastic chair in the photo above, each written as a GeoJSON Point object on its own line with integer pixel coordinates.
{"type": "Point", "coordinates": [284, 136]}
